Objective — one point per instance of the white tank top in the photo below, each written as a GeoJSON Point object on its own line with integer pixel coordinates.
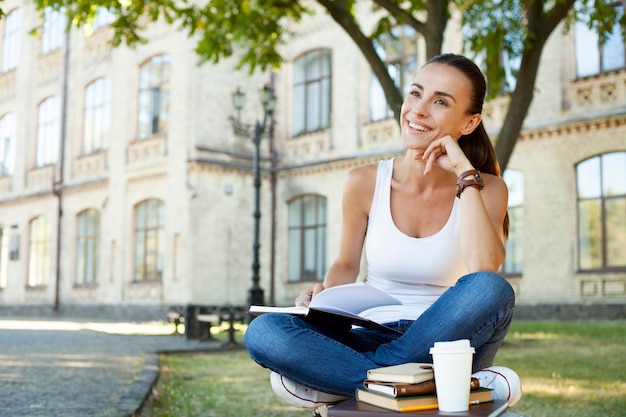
{"type": "Point", "coordinates": [414, 270]}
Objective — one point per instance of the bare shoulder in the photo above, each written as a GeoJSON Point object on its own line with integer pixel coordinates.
{"type": "Point", "coordinates": [360, 185]}
{"type": "Point", "coordinates": [494, 181]}
{"type": "Point", "coordinates": [363, 174]}
{"type": "Point", "coordinates": [495, 187]}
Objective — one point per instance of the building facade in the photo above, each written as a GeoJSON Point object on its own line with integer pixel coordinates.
{"type": "Point", "coordinates": [125, 189]}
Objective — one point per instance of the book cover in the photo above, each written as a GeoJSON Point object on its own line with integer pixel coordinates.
{"type": "Point", "coordinates": [353, 408]}
{"type": "Point", "coordinates": [410, 373]}
{"type": "Point", "coordinates": [338, 306]}
{"type": "Point", "coordinates": [402, 389]}
{"type": "Point", "coordinates": [404, 404]}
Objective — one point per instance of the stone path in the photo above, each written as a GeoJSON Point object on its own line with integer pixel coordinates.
{"type": "Point", "coordinates": [70, 369]}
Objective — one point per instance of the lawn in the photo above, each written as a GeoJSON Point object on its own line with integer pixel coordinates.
{"type": "Point", "coordinates": [567, 369]}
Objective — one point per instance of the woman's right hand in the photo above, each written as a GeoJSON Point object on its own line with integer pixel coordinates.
{"type": "Point", "coordinates": [305, 297]}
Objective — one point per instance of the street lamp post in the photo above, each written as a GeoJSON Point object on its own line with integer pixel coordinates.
{"type": "Point", "coordinates": [268, 100]}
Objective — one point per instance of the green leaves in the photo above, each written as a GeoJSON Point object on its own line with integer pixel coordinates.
{"type": "Point", "coordinates": [256, 27]}
{"type": "Point", "coordinates": [496, 31]}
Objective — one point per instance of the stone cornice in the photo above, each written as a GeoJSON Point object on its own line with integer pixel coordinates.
{"type": "Point", "coordinates": [85, 187]}
{"type": "Point", "coordinates": [577, 125]}
{"type": "Point", "coordinates": [27, 199]}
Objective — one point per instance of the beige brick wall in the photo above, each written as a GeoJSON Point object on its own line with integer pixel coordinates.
{"type": "Point", "coordinates": [202, 171]}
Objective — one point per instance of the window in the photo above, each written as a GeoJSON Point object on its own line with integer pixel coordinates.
{"type": "Point", "coordinates": [154, 96]}
{"type": "Point", "coordinates": [11, 40]}
{"type": "Point", "coordinates": [104, 17]}
{"type": "Point", "coordinates": [590, 58]}
{"type": "Point", "coordinates": [149, 241]}
{"type": "Point", "coordinates": [53, 30]}
{"type": "Point", "coordinates": [514, 244]}
{"type": "Point", "coordinates": [48, 131]}
{"type": "Point", "coordinates": [4, 256]}
{"type": "Point", "coordinates": [601, 184]}
{"type": "Point", "coordinates": [307, 238]}
{"type": "Point", "coordinates": [39, 253]}
{"type": "Point", "coordinates": [97, 115]}
{"type": "Point", "coordinates": [8, 132]}
{"type": "Point", "coordinates": [87, 246]}
{"type": "Point", "coordinates": [399, 52]}
{"type": "Point", "coordinates": [311, 92]}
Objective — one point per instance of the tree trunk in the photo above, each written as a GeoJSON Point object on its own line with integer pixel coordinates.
{"type": "Point", "coordinates": [345, 19]}
{"type": "Point", "coordinates": [540, 27]}
{"type": "Point", "coordinates": [438, 16]}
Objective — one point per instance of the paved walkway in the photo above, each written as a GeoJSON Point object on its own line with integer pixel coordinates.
{"type": "Point", "coordinates": [71, 369]}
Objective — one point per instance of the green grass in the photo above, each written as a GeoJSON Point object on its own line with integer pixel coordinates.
{"type": "Point", "coordinates": [567, 369]}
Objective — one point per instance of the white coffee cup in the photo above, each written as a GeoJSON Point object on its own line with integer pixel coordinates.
{"type": "Point", "coordinates": [452, 363]}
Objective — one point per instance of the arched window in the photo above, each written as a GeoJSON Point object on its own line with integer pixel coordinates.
{"type": "Point", "coordinates": [591, 59]}
{"type": "Point", "coordinates": [311, 92]}
{"type": "Point", "coordinates": [97, 115]}
{"type": "Point", "coordinates": [8, 133]}
{"type": "Point", "coordinates": [307, 238]}
{"type": "Point", "coordinates": [87, 246]}
{"type": "Point", "coordinates": [601, 186]}
{"type": "Point", "coordinates": [48, 131]}
{"type": "Point", "coordinates": [39, 252]}
{"type": "Point", "coordinates": [53, 30]}
{"type": "Point", "coordinates": [3, 257]}
{"type": "Point", "coordinates": [11, 40]}
{"type": "Point", "coordinates": [513, 263]}
{"type": "Point", "coordinates": [149, 240]}
{"type": "Point", "coordinates": [104, 17]}
{"type": "Point", "coordinates": [398, 50]}
{"type": "Point", "coordinates": [154, 96]}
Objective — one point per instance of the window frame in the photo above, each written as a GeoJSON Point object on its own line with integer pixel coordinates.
{"type": "Point", "coordinates": [8, 137]}
{"type": "Point", "coordinates": [39, 257]}
{"type": "Point", "coordinates": [581, 28]}
{"type": "Point", "coordinates": [300, 229]}
{"type": "Point", "coordinates": [315, 86]}
{"type": "Point", "coordinates": [154, 96]}
{"type": "Point", "coordinates": [87, 243]}
{"type": "Point", "coordinates": [4, 256]}
{"type": "Point", "coordinates": [514, 243]}
{"type": "Point", "coordinates": [149, 241]}
{"type": "Point", "coordinates": [403, 64]}
{"type": "Point", "coordinates": [11, 40]}
{"type": "Point", "coordinates": [52, 36]}
{"type": "Point", "coordinates": [48, 131]}
{"type": "Point", "coordinates": [97, 115]}
{"type": "Point", "coordinates": [104, 17]}
{"type": "Point", "coordinates": [602, 200]}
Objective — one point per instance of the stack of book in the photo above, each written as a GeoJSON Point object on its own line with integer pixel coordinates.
{"type": "Point", "coordinates": [409, 387]}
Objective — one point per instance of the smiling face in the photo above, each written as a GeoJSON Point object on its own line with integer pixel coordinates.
{"type": "Point", "coordinates": [437, 105]}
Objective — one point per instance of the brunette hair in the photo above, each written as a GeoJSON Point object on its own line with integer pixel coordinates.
{"type": "Point", "coordinates": [477, 146]}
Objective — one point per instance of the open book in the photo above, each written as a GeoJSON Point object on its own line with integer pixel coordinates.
{"type": "Point", "coordinates": [338, 307]}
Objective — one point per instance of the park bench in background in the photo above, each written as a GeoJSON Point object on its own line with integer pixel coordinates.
{"type": "Point", "coordinates": [198, 320]}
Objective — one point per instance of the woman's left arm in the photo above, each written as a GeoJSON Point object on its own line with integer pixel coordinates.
{"type": "Point", "coordinates": [482, 220]}
{"type": "Point", "coordinates": [482, 211]}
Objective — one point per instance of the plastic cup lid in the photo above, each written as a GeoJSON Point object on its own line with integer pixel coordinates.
{"type": "Point", "coordinates": [455, 346]}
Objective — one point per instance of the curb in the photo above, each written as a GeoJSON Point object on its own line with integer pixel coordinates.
{"type": "Point", "coordinates": [132, 401]}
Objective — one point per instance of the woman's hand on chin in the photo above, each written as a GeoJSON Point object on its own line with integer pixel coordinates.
{"type": "Point", "coordinates": [445, 153]}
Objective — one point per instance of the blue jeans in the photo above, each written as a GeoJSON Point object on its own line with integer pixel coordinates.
{"type": "Point", "coordinates": [479, 308]}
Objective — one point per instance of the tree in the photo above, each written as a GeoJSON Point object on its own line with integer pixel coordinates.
{"type": "Point", "coordinates": [515, 29]}
{"type": "Point", "coordinates": [521, 29]}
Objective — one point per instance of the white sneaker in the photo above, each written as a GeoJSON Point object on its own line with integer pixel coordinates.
{"type": "Point", "coordinates": [504, 382]}
{"type": "Point", "coordinates": [300, 396]}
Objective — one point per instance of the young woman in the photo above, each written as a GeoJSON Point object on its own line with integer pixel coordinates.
{"type": "Point", "coordinates": [433, 223]}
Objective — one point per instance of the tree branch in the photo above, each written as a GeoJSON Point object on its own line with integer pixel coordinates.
{"type": "Point", "coordinates": [346, 20]}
